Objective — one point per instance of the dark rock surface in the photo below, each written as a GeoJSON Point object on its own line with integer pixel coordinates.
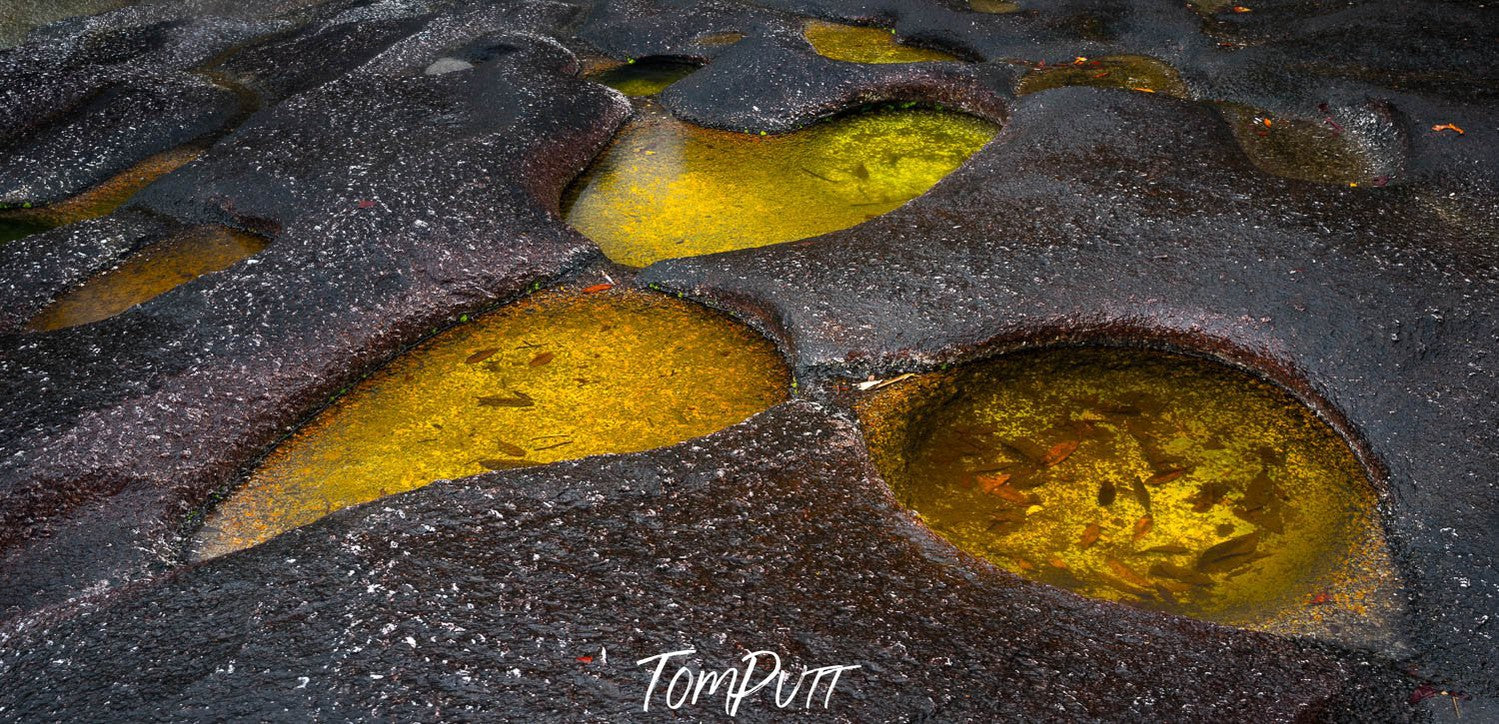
{"type": "Point", "coordinates": [477, 598]}
{"type": "Point", "coordinates": [398, 197]}
{"type": "Point", "coordinates": [396, 201]}
{"type": "Point", "coordinates": [1367, 302]}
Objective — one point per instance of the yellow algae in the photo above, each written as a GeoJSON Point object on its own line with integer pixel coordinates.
{"type": "Point", "coordinates": [150, 272]}
{"type": "Point", "coordinates": [644, 77]}
{"type": "Point", "coordinates": [864, 45]}
{"type": "Point", "coordinates": [1157, 480]}
{"type": "Point", "coordinates": [1298, 149]}
{"type": "Point", "coordinates": [1130, 72]}
{"type": "Point", "coordinates": [668, 189]}
{"type": "Point", "coordinates": [108, 195]}
{"type": "Point", "coordinates": [554, 377]}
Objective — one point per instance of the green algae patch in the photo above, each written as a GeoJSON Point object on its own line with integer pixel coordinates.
{"type": "Point", "coordinates": [149, 273]}
{"type": "Point", "coordinates": [1320, 152]}
{"type": "Point", "coordinates": [856, 44]}
{"type": "Point", "coordinates": [1160, 481]}
{"type": "Point", "coordinates": [667, 188]}
{"type": "Point", "coordinates": [646, 77]}
{"type": "Point", "coordinates": [1128, 72]}
{"type": "Point", "coordinates": [555, 377]}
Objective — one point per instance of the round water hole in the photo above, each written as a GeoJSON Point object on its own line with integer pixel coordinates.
{"type": "Point", "coordinates": [645, 77]}
{"type": "Point", "coordinates": [667, 188]}
{"type": "Point", "coordinates": [1156, 480]}
{"type": "Point", "coordinates": [858, 44]}
{"type": "Point", "coordinates": [554, 377]}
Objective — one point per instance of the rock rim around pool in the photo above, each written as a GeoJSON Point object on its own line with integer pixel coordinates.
{"type": "Point", "coordinates": [1303, 193]}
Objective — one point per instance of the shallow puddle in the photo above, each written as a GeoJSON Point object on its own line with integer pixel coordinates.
{"type": "Point", "coordinates": [107, 196]}
{"type": "Point", "coordinates": [1300, 149]}
{"type": "Point", "coordinates": [719, 40]}
{"type": "Point", "coordinates": [149, 273]}
{"type": "Point", "coordinates": [1129, 72]}
{"type": "Point", "coordinates": [865, 45]}
{"type": "Point", "coordinates": [10, 230]}
{"type": "Point", "coordinates": [645, 77]}
{"type": "Point", "coordinates": [1156, 480]}
{"type": "Point", "coordinates": [995, 7]}
{"type": "Point", "coordinates": [554, 377]}
{"type": "Point", "coordinates": [668, 189]}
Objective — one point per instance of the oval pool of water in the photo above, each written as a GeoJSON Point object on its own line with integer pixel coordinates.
{"type": "Point", "coordinates": [1125, 72]}
{"type": "Point", "coordinates": [667, 188]}
{"type": "Point", "coordinates": [857, 44]}
{"type": "Point", "coordinates": [1161, 481]}
{"type": "Point", "coordinates": [152, 271]}
{"type": "Point", "coordinates": [645, 77]}
{"type": "Point", "coordinates": [554, 377]}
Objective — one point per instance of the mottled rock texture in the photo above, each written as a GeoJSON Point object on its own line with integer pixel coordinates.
{"type": "Point", "coordinates": [396, 201]}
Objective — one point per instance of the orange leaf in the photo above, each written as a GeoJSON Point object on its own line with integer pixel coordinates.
{"type": "Point", "coordinates": [1142, 527]}
{"type": "Point", "coordinates": [1090, 535]}
{"type": "Point", "coordinates": [1059, 452]}
{"type": "Point", "coordinates": [1242, 9]}
{"type": "Point", "coordinates": [1143, 89]}
{"type": "Point", "coordinates": [586, 659]}
{"type": "Point", "coordinates": [597, 288]}
{"type": "Point", "coordinates": [1125, 572]}
{"type": "Point", "coordinates": [1448, 127]}
{"type": "Point", "coordinates": [1165, 477]}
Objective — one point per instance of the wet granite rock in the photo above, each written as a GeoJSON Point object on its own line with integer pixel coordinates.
{"type": "Point", "coordinates": [88, 98]}
{"type": "Point", "coordinates": [1071, 226]}
{"type": "Point", "coordinates": [397, 200]}
{"type": "Point", "coordinates": [395, 203]}
{"type": "Point", "coordinates": [532, 594]}
{"type": "Point", "coordinates": [41, 267]}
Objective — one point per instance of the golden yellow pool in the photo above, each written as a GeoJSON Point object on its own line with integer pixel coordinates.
{"type": "Point", "coordinates": [553, 377]}
{"type": "Point", "coordinates": [667, 188]}
{"type": "Point", "coordinates": [1161, 481]}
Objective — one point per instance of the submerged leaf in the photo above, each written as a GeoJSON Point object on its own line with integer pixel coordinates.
{"type": "Point", "coordinates": [1129, 575]}
{"type": "Point", "coordinates": [1090, 535]}
{"type": "Point", "coordinates": [1106, 493]}
{"type": "Point", "coordinates": [1180, 573]}
{"type": "Point", "coordinates": [1229, 554]}
{"type": "Point", "coordinates": [1059, 452]}
{"type": "Point", "coordinates": [1165, 476]}
{"type": "Point", "coordinates": [520, 399]}
{"type": "Point", "coordinates": [481, 355]}
{"type": "Point", "coordinates": [1142, 527]}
